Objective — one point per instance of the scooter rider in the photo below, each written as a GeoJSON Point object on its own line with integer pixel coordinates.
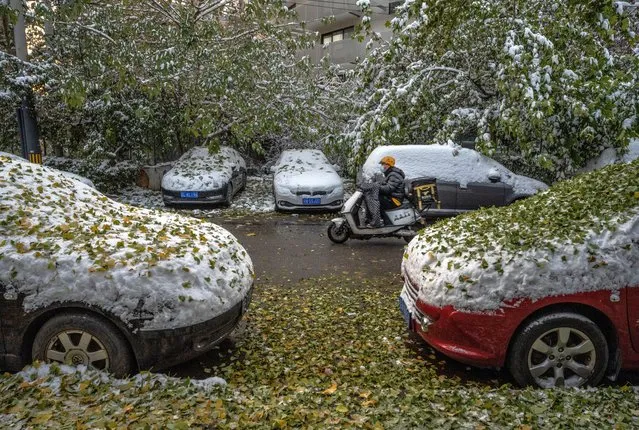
{"type": "Point", "coordinates": [390, 192]}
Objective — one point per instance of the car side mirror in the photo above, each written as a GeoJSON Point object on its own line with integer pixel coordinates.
{"type": "Point", "coordinates": [494, 176]}
{"type": "Point", "coordinates": [337, 168]}
{"type": "Point", "coordinates": [272, 169]}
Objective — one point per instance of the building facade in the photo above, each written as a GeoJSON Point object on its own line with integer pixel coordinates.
{"type": "Point", "coordinates": [335, 35]}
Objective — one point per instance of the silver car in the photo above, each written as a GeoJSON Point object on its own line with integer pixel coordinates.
{"type": "Point", "coordinates": [303, 179]}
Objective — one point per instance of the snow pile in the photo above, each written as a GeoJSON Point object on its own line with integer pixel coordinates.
{"type": "Point", "coordinates": [447, 163]}
{"type": "Point", "coordinates": [609, 156]}
{"type": "Point", "coordinates": [582, 235]}
{"type": "Point", "coordinates": [305, 170]}
{"type": "Point", "coordinates": [61, 240]}
{"type": "Point", "coordinates": [200, 170]}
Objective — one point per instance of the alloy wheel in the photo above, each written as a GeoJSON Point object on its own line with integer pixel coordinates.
{"type": "Point", "coordinates": [562, 357]}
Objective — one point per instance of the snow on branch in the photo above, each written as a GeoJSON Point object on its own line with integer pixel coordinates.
{"type": "Point", "coordinates": [89, 28]}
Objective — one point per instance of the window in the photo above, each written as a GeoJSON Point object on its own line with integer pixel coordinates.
{"type": "Point", "coordinates": [336, 36]}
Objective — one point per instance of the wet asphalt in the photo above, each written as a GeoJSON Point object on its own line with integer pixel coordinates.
{"type": "Point", "coordinates": [288, 248]}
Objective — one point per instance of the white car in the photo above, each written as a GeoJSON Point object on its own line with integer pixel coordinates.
{"type": "Point", "coordinates": [463, 178]}
{"type": "Point", "coordinates": [201, 177]}
{"type": "Point", "coordinates": [303, 179]}
{"type": "Point", "coordinates": [86, 280]}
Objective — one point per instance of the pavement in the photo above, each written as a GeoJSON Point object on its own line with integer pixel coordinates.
{"type": "Point", "coordinates": [288, 248]}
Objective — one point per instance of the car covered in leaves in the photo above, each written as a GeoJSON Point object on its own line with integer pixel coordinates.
{"type": "Point", "coordinates": [86, 280]}
{"type": "Point", "coordinates": [547, 287]}
{"type": "Point", "coordinates": [304, 179]}
{"type": "Point", "coordinates": [71, 175]}
{"type": "Point", "coordinates": [464, 179]}
{"type": "Point", "coordinates": [202, 177]}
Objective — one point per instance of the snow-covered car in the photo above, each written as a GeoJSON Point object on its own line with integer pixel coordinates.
{"type": "Point", "coordinates": [304, 179]}
{"type": "Point", "coordinates": [203, 177]}
{"type": "Point", "coordinates": [71, 175]}
{"type": "Point", "coordinates": [86, 280]}
{"type": "Point", "coordinates": [464, 179]}
{"type": "Point", "coordinates": [611, 155]}
{"type": "Point", "coordinates": [547, 287]}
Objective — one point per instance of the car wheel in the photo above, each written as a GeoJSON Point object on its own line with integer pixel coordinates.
{"type": "Point", "coordinates": [559, 350]}
{"type": "Point", "coordinates": [229, 194]}
{"type": "Point", "coordinates": [83, 339]}
{"type": "Point", "coordinates": [338, 234]}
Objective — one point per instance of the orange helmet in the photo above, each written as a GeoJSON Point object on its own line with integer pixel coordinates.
{"type": "Point", "coordinates": [388, 160]}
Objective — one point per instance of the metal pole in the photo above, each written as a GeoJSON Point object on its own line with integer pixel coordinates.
{"type": "Point", "coordinates": [27, 122]}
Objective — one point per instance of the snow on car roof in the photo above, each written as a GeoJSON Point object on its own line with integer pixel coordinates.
{"type": "Point", "coordinates": [61, 240]}
{"type": "Point", "coordinates": [305, 168]}
{"type": "Point", "coordinates": [447, 163]}
{"type": "Point", "coordinates": [581, 235]}
{"type": "Point", "coordinates": [199, 170]}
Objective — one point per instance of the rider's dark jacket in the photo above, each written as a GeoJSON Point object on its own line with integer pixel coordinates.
{"type": "Point", "coordinates": [393, 184]}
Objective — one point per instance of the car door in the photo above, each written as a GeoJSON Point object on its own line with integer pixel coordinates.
{"type": "Point", "coordinates": [447, 194]}
{"type": "Point", "coordinates": [632, 302]}
{"type": "Point", "coordinates": [481, 194]}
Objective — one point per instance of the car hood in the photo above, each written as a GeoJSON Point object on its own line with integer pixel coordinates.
{"type": "Point", "coordinates": [565, 240]}
{"type": "Point", "coordinates": [196, 176]}
{"type": "Point", "coordinates": [64, 241]}
{"type": "Point", "coordinates": [312, 180]}
{"type": "Point", "coordinates": [525, 186]}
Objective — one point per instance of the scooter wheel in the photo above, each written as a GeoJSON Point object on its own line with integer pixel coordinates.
{"type": "Point", "coordinates": [338, 234]}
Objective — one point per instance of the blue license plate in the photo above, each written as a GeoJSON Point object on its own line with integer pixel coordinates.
{"type": "Point", "coordinates": [311, 201]}
{"type": "Point", "coordinates": [405, 312]}
{"type": "Point", "coordinates": [188, 194]}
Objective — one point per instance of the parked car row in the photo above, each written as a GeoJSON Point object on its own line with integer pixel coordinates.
{"type": "Point", "coordinates": [305, 180]}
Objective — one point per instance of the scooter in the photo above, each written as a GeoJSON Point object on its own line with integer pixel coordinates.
{"type": "Point", "coordinates": [403, 222]}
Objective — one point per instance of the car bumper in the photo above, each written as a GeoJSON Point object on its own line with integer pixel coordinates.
{"type": "Point", "coordinates": [288, 205]}
{"type": "Point", "coordinates": [159, 349]}
{"type": "Point", "coordinates": [206, 197]}
{"type": "Point", "coordinates": [472, 338]}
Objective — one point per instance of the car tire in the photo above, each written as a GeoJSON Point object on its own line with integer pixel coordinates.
{"type": "Point", "coordinates": [229, 195]}
{"type": "Point", "coordinates": [75, 338]}
{"type": "Point", "coordinates": [338, 234]}
{"type": "Point", "coordinates": [560, 349]}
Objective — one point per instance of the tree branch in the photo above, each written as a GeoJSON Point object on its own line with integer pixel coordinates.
{"type": "Point", "coordinates": [86, 27]}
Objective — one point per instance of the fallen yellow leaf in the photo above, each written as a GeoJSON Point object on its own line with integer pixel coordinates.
{"type": "Point", "coordinates": [331, 389]}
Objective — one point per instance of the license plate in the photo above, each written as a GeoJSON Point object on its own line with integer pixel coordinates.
{"type": "Point", "coordinates": [188, 194]}
{"type": "Point", "coordinates": [405, 312]}
{"type": "Point", "coordinates": [311, 201]}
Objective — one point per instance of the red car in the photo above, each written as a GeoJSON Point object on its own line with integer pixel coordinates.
{"type": "Point", "coordinates": [548, 287]}
{"type": "Point", "coordinates": [570, 340]}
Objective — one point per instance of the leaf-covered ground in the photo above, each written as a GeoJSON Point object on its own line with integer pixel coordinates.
{"type": "Point", "coordinates": [326, 353]}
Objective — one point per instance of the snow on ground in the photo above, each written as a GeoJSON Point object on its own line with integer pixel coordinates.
{"type": "Point", "coordinates": [61, 240]}
{"type": "Point", "coordinates": [447, 163]}
{"type": "Point", "coordinates": [200, 170]}
{"type": "Point", "coordinates": [51, 376]}
{"type": "Point", "coordinates": [581, 235]}
{"type": "Point", "coordinates": [256, 198]}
